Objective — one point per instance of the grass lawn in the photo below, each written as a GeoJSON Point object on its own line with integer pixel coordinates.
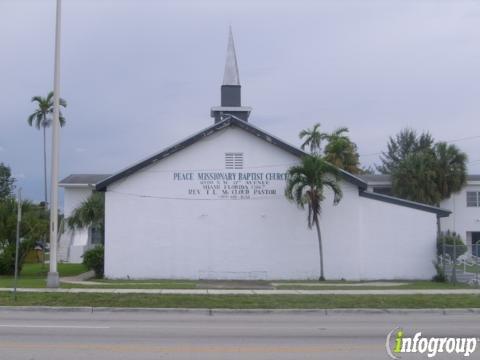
{"type": "Point", "coordinates": [243, 301]}
{"type": "Point", "coordinates": [415, 285]}
{"type": "Point", "coordinates": [35, 275]}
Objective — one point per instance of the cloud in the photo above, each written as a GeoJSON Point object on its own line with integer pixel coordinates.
{"type": "Point", "coordinates": [152, 72]}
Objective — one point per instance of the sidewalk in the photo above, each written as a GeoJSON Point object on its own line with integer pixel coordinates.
{"type": "Point", "coordinates": [250, 292]}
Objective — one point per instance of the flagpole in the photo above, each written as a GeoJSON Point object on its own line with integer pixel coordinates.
{"type": "Point", "coordinates": [53, 280]}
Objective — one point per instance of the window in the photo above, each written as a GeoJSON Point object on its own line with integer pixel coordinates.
{"type": "Point", "coordinates": [234, 161]}
{"type": "Point", "coordinates": [473, 198]}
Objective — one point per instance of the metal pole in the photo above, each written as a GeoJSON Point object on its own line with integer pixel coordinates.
{"type": "Point", "coordinates": [53, 278]}
{"type": "Point", "coordinates": [454, 271]}
{"type": "Point", "coordinates": [17, 244]}
{"type": "Point", "coordinates": [443, 255]}
{"type": "Point", "coordinates": [477, 262]}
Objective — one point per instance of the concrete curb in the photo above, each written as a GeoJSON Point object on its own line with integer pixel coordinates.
{"type": "Point", "coordinates": [203, 311]}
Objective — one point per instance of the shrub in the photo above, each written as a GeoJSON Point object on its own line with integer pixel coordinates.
{"type": "Point", "coordinates": [93, 259]}
{"type": "Point", "coordinates": [451, 239]}
{"type": "Point", "coordinates": [440, 276]}
{"type": "Point", "coordinates": [7, 257]}
{"type": "Point", "coordinates": [34, 226]}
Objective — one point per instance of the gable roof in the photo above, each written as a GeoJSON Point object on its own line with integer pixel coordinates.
{"type": "Point", "coordinates": [82, 180]}
{"type": "Point", "coordinates": [407, 203]}
{"type": "Point", "coordinates": [229, 121]}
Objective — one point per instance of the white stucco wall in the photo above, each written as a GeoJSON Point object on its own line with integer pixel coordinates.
{"type": "Point", "coordinates": [397, 242]}
{"type": "Point", "coordinates": [73, 198]}
{"type": "Point", "coordinates": [463, 219]}
{"type": "Point", "coordinates": [73, 243]}
{"type": "Point", "coordinates": [154, 229]}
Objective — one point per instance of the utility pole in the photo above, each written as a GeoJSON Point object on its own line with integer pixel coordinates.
{"type": "Point", "coordinates": [17, 244]}
{"type": "Point", "coordinates": [53, 280]}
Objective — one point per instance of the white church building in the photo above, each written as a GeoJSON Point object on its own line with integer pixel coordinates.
{"type": "Point", "coordinates": [212, 206]}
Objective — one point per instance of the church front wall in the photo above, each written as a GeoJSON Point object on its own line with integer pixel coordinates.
{"type": "Point", "coordinates": [162, 223]}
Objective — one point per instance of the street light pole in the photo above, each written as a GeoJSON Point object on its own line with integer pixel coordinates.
{"type": "Point", "coordinates": [53, 280]}
{"type": "Point", "coordinates": [17, 243]}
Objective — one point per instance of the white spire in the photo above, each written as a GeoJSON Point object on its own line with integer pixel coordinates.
{"type": "Point", "coordinates": [231, 76]}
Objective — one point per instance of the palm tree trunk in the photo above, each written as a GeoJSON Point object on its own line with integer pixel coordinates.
{"type": "Point", "coordinates": [320, 250]}
{"type": "Point", "coordinates": [45, 166]}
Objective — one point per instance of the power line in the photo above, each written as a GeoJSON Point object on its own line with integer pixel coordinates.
{"type": "Point", "coordinates": [447, 141]}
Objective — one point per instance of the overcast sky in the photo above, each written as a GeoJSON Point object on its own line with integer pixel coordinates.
{"type": "Point", "coordinates": [139, 75]}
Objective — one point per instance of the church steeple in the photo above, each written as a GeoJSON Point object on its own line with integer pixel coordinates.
{"type": "Point", "coordinates": [231, 77]}
{"type": "Point", "coordinates": [231, 103]}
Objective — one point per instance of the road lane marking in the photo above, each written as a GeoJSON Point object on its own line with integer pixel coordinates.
{"type": "Point", "coordinates": [142, 348]}
{"type": "Point", "coordinates": [52, 326]}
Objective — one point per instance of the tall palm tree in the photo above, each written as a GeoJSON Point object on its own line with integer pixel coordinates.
{"type": "Point", "coordinates": [451, 169]}
{"type": "Point", "coordinates": [313, 138]}
{"type": "Point", "coordinates": [42, 119]}
{"type": "Point", "coordinates": [342, 152]}
{"type": "Point", "coordinates": [306, 186]}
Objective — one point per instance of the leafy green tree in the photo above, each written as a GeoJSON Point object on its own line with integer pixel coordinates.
{"type": "Point", "coordinates": [7, 182]}
{"type": "Point", "coordinates": [403, 144]}
{"type": "Point", "coordinates": [422, 170]}
{"type": "Point", "coordinates": [90, 213]}
{"type": "Point", "coordinates": [312, 139]}
{"type": "Point", "coordinates": [306, 186]}
{"type": "Point", "coordinates": [42, 118]}
{"type": "Point", "coordinates": [342, 152]}
{"type": "Point", "coordinates": [33, 227]}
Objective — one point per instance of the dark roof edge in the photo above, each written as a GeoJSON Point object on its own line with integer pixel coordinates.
{"type": "Point", "coordinates": [102, 185]}
{"type": "Point", "coordinates": [411, 204]}
{"type": "Point", "coordinates": [74, 180]}
{"type": "Point", "coordinates": [294, 150]}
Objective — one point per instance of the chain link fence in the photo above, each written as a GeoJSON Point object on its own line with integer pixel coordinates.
{"type": "Point", "coordinates": [460, 263]}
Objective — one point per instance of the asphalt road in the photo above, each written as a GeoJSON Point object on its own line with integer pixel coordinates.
{"type": "Point", "coordinates": [119, 335]}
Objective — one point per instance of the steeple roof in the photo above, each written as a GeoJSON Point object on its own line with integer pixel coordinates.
{"type": "Point", "coordinates": [231, 76]}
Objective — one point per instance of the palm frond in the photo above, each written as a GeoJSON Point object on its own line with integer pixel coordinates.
{"type": "Point", "coordinates": [31, 118]}
{"type": "Point", "coordinates": [61, 119]}
{"type": "Point", "coordinates": [49, 97]}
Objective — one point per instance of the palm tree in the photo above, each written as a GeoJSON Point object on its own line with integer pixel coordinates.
{"type": "Point", "coordinates": [414, 178]}
{"type": "Point", "coordinates": [306, 186]}
{"type": "Point", "coordinates": [90, 213]}
{"type": "Point", "coordinates": [430, 175]}
{"type": "Point", "coordinates": [342, 152]}
{"type": "Point", "coordinates": [313, 138]}
{"type": "Point", "coordinates": [42, 119]}
{"type": "Point", "coordinates": [451, 169]}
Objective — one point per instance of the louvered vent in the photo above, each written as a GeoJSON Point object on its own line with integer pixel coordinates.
{"type": "Point", "coordinates": [234, 161]}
